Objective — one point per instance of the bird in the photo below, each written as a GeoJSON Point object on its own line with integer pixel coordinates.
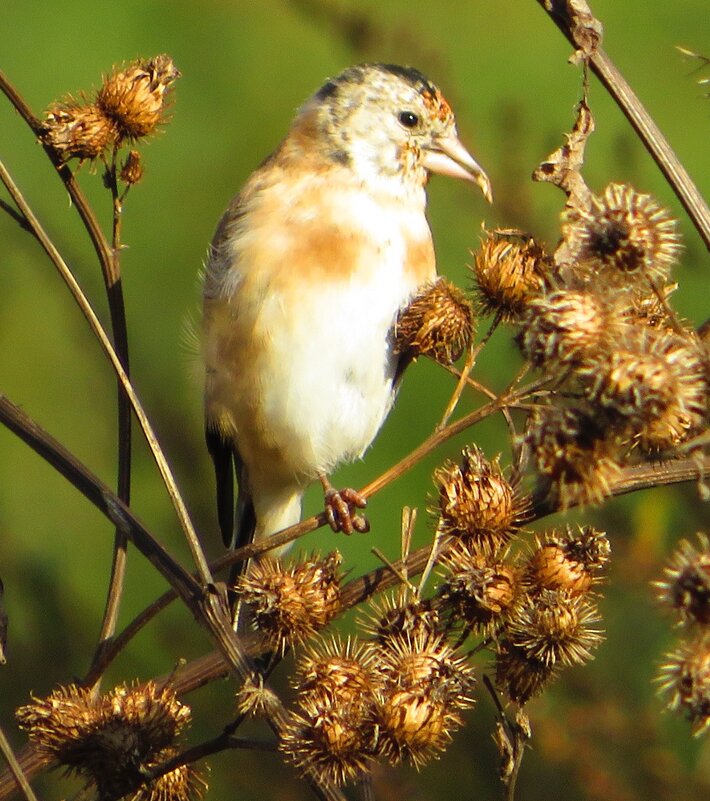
{"type": "Point", "coordinates": [310, 264]}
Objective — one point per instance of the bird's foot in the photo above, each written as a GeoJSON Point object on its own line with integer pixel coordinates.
{"type": "Point", "coordinates": [340, 509]}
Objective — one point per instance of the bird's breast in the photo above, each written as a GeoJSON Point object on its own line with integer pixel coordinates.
{"type": "Point", "coordinates": [321, 275]}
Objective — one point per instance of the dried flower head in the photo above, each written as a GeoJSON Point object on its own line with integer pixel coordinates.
{"type": "Point", "coordinates": [437, 323]}
{"type": "Point", "coordinates": [390, 617]}
{"type": "Point", "coordinates": [78, 130]}
{"type": "Point", "coordinates": [554, 627]}
{"type": "Point", "coordinates": [623, 236]}
{"type": "Point", "coordinates": [135, 97]}
{"type": "Point", "coordinates": [477, 503]}
{"type": "Point", "coordinates": [478, 590]}
{"type": "Point", "coordinates": [685, 681]}
{"type": "Point", "coordinates": [340, 672]}
{"type": "Point", "coordinates": [520, 675]}
{"type": "Point", "coordinates": [575, 457]}
{"type": "Point", "coordinates": [510, 270]}
{"type": "Point", "coordinates": [132, 169]}
{"type": "Point", "coordinates": [333, 743]}
{"type": "Point", "coordinates": [572, 560]}
{"type": "Point", "coordinates": [291, 603]}
{"type": "Point", "coordinates": [425, 687]}
{"type": "Point", "coordinates": [333, 733]}
{"type": "Point", "coordinates": [111, 739]}
{"type": "Point", "coordinates": [685, 587]}
{"type": "Point", "coordinates": [655, 382]}
{"type": "Point", "coordinates": [562, 328]}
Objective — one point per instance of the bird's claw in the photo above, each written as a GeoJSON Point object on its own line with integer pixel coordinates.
{"type": "Point", "coordinates": [340, 506]}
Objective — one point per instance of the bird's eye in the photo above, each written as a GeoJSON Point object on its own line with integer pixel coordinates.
{"type": "Point", "coordinates": [409, 119]}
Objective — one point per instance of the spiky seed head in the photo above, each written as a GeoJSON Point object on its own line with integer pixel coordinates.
{"type": "Point", "coordinates": [428, 664]}
{"type": "Point", "coordinates": [625, 235]}
{"type": "Point", "coordinates": [341, 671]}
{"type": "Point", "coordinates": [110, 739]}
{"type": "Point", "coordinates": [331, 743]}
{"type": "Point", "coordinates": [576, 459]}
{"type": "Point", "coordinates": [685, 587]}
{"type": "Point", "coordinates": [291, 603]}
{"type": "Point", "coordinates": [520, 675]}
{"type": "Point", "coordinates": [437, 323]}
{"type": "Point", "coordinates": [414, 727]}
{"type": "Point", "coordinates": [554, 627]}
{"type": "Point", "coordinates": [134, 97]}
{"type": "Point", "coordinates": [478, 589]}
{"type": "Point", "coordinates": [656, 382]}
{"type": "Point", "coordinates": [476, 502]}
{"type": "Point", "coordinates": [685, 682]}
{"type": "Point", "coordinates": [78, 130]}
{"type": "Point", "coordinates": [562, 328]}
{"type": "Point", "coordinates": [509, 271]}
{"type": "Point", "coordinates": [572, 560]}
{"type": "Point", "coordinates": [390, 617]}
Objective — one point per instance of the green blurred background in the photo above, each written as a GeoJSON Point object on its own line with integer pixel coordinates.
{"type": "Point", "coordinates": [246, 66]}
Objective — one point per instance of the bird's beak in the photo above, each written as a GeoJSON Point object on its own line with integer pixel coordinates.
{"type": "Point", "coordinates": [449, 157]}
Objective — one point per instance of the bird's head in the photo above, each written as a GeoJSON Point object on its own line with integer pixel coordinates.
{"type": "Point", "coordinates": [387, 122]}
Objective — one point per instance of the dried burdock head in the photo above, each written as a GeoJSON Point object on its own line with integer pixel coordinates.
{"type": "Point", "coordinates": [437, 323]}
{"type": "Point", "coordinates": [624, 236]}
{"type": "Point", "coordinates": [572, 560]}
{"type": "Point", "coordinates": [520, 675]}
{"type": "Point", "coordinates": [561, 329]}
{"type": "Point", "coordinates": [510, 269]}
{"type": "Point", "coordinates": [134, 97]}
{"type": "Point", "coordinates": [685, 682]}
{"type": "Point", "coordinates": [555, 628]}
{"type": "Point", "coordinates": [389, 617]}
{"type": "Point", "coordinates": [429, 665]}
{"type": "Point", "coordinates": [575, 457]}
{"type": "Point", "coordinates": [111, 739]}
{"type": "Point", "coordinates": [685, 587]}
{"type": "Point", "coordinates": [290, 603]}
{"type": "Point", "coordinates": [478, 590]}
{"type": "Point", "coordinates": [132, 169]}
{"type": "Point", "coordinates": [477, 504]}
{"type": "Point", "coordinates": [414, 726]}
{"type": "Point", "coordinates": [425, 687]}
{"type": "Point", "coordinates": [656, 382]}
{"type": "Point", "coordinates": [340, 672]}
{"type": "Point", "coordinates": [336, 742]}
{"type": "Point", "coordinates": [78, 130]}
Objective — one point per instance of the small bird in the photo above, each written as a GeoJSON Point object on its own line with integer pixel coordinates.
{"type": "Point", "coordinates": [308, 268]}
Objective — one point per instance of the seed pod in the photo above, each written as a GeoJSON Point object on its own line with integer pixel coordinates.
{"type": "Point", "coordinates": [686, 585]}
{"type": "Point", "coordinates": [437, 323]}
{"type": "Point", "coordinates": [571, 561]}
{"type": "Point", "coordinates": [477, 503]}
{"type": "Point", "coordinates": [510, 270]}
{"type": "Point", "coordinates": [78, 130]}
{"type": "Point", "coordinates": [135, 97]}
{"type": "Point", "coordinates": [624, 237]}
{"type": "Point", "coordinates": [291, 603]}
{"type": "Point", "coordinates": [685, 682]}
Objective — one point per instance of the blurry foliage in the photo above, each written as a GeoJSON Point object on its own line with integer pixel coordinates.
{"type": "Point", "coordinates": [599, 734]}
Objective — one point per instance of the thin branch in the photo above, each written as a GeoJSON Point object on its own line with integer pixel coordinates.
{"type": "Point", "coordinates": [88, 312]}
{"type": "Point", "coordinates": [16, 769]}
{"type": "Point", "coordinates": [584, 33]}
